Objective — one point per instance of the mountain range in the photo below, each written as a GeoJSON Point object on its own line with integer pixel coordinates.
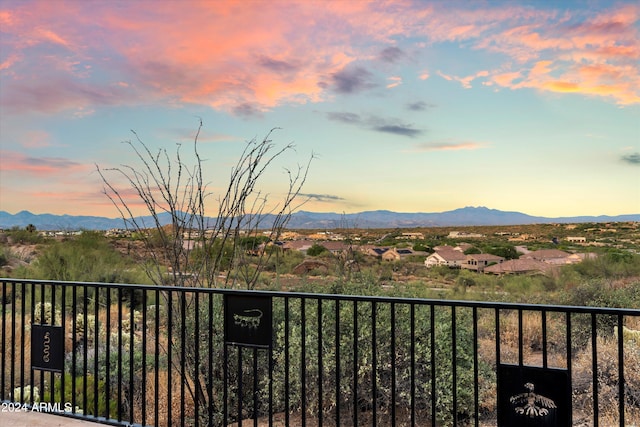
{"type": "Point", "coordinates": [467, 216]}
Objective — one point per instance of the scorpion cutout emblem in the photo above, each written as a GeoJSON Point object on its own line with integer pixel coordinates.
{"type": "Point", "coordinates": [251, 319]}
{"type": "Point", "coordinates": [531, 404]}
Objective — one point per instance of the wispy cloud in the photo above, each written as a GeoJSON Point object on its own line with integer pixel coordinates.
{"type": "Point", "coordinates": [40, 166]}
{"type": "Point", "coordinates": [632, 159]}
{"type": "Point", "coordinates": [394, 81]}
{"type": "Point", "coordinates": [344, 117]}
{"type": "Point", "coordinates": [352, 80]}
{"type": "Point", "coordinates": [464, 81]}
{"type": "Point", "coordinates": [419, 106]}
{"type": "Point", "coordinates": [277, 65]}
{"type": "Point", "coordinates": [378, 124]}
{"type": "Point", "coordinates": [36, 139]}
{"type": "Point", "coordinates": [399, 129]}
{"type": "Point", "coordinates": [391, 54]}
{"type": "Point", "coordinates": [321, 197]}
{"type": "Point", "coordinates": [448, 145]}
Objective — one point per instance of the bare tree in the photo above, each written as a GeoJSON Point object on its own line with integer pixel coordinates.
{"type": "Point", "coordinates": [195, 249]}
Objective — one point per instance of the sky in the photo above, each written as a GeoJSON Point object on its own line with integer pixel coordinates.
{"type": "Point", "coordinates": [408, 106]}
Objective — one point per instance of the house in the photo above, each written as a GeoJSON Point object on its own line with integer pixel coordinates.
{"type": "Point", "coordinates": [395, 254]}
{"type": "Point", "coordinates": [576, 239]}
{"type": "Point", "coordinates": [462, 246]}
{"type": "Point", "coordinates": [579, 257]}
{"type": "Point", "coordinates": [478, 262]}
{"type": "Point", "coordinates": [411, 236]}
{"type": "Point", "coordinates": [335, 248]}
{"type": "Point", "coordinates": [518, 266]}
{"type": "Point", "coordinates": [463, 235]}
{"type": "Point", "coordinates": [451, 258]}
{"type": "Point", "coordinates": [550, 256]}
{"type": "Point", "coordinates": [297, 245]}
{"type": "Point", "coordinates": [375, 251]}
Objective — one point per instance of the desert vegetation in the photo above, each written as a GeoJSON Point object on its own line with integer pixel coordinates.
{"type": "Point", "coordinates": [147, 352]}
{"type": "Point", "coordinates": [317, 385]}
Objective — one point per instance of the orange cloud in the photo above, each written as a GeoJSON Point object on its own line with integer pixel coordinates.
{"type": "Point", "coordinates": [233, 55]}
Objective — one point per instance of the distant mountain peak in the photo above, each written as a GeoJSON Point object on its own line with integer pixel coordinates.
{"type": "Point", "coordinates": [467, 216]}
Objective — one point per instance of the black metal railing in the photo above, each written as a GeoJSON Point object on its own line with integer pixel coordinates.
{"type": "Point", "coordinates": [171, 356]}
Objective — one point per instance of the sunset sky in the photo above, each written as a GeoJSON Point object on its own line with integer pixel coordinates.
{"type": "Point", "coordinates": [530, 106]}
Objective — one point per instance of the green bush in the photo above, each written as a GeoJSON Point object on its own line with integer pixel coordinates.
{"type": "Point", "coordinates": [87, 258]}
{"type": "Point", "coordinates": [76, 394]}
{"type": "Point", "coordinates": [316, 250]}
{"type": "Point", "coordinates": [330, 386]}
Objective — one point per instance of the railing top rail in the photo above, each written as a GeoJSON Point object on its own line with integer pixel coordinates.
{"type": "Point", "coordinates": [342, 297]}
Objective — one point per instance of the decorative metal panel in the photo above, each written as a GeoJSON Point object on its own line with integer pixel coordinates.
{"type": "Point", "coordinates": [533, 396]}
{"type": "Point", "coordinates": [47, 347]}
{"type": "Point", "coordinates": [248, 320]}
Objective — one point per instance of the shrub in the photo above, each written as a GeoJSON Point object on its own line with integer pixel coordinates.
{"type": "Point", "coordinates": [329, 389]}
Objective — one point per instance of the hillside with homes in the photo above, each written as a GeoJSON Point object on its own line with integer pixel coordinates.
{"type": "Point", "coordinates": [486, 259]}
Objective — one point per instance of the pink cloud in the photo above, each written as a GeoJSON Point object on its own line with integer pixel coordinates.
{"type": "Point", "coordinates": [230, 55]}
{"type": "Point", "coordinates": [394, 81]}
{"type": "Point", "coordinates": [36, 139]}
{"type": "Point", "coordinates": [39, 166]}
{"type": "Point", "coordinates": [449, 145]}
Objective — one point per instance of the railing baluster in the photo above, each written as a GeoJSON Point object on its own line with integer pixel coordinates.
{"type": "Point", "coordinates": [454, 365]}
{"type": "Point", "coordinates": [544, 339]}
{"type": "Point", "coordinates": [143, 331]}
{"type": "Point", "coordinates": [621, 381]}
{"type": "Point", "coordinates": [412, 320]}
{"type": "Point", "coordinates": [120, 349]}
{"type": "Point", "coordinates": [31, 311]}
{"type": "Point", "coordinates": [255, 386]}
{"type": "Point", "coordinates": [239, 373]}
{"type": "Point", "coordinates": [183, 354]}
{"type": "Point", "coordinates": [63, 316]}
{"type": "Point", "coordinates": [374, 362]}
{"type": "Point", "coordinates": [42, 302]}
{"type": "Point", "coordinates": [594, 369]}
{"type": "Point", "coordinates": [320, 367]}
{"type": "Point", "coordinates": [569, 356]}
{"type": "Point", "coordinates": [74, 340]}
{"type": "Point", "coordinates": [107, 355]}
{"type": "Point", "coordinates": [498, 356]}
{"type": "Point", "coordinates": [520, 339]}
{"type": "Point", "coordinates": [355, 362]}
{"type": "Point", "coordinates": [303, 357]}
{"type": "Point", "coordinates": [22, 341]}
{"type": "Point", "coordinates": [12, 372]}
{"type": "Point", "coordinates": [3, 337]}
{"type": "Point", "coordinates": [196, 356]}
{"type": "Point", "coordinates": [210, 354]}
{"type": "Point", "coordinates": [132, 334]}
{"type": "Point", "coordinates": [392, 354]}
{"type": "Point", "coordinates": [52, 375]}
{"type": "Point", "coordinates": [96, 352]}
{"type": "Point", "coordinates": [432, 339]}
{"type": "Point", "coordinates": [156, 361]}
{"type": "Point", "coordinates": [169, 348]}
{"type": "Point", "coordinates": [476, 391]}
{"type": "Point", "coordinates": [337, 364]}
{"type": "Point", "coordinates": [287, 402]}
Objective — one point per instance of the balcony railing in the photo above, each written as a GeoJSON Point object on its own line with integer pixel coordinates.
{"type": "Point", "coordinates": [170, 356]}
